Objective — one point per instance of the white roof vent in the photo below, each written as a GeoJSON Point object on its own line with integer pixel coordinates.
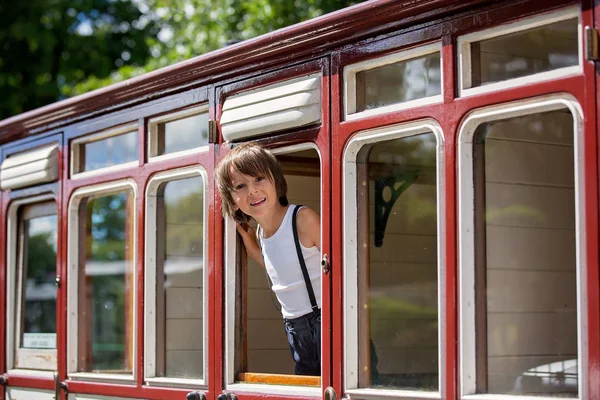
{"type": "Point", "coordinates": [30, 168]}
{"type": "Point", "coordinates": [284, 105]}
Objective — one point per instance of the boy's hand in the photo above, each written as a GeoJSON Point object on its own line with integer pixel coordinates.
{"type": "Point", "coordinates": [249, 238]}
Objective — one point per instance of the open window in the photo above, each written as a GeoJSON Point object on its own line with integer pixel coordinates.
{"type": "Point", "coordinates": [521, 250]}
{"type": "Point", "coordinates": [176, 274]}
{"type": "Point", "coordinates": [256, 345]}
{"type": "Point", "coordinates": [32, 291]}
{"type": "Point", "coordinates": [393, 259]}
{"type": "Point", "coordinates": [102, 281]}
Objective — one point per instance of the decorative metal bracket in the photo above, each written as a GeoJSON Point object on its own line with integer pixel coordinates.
{"type": "Point", "coordinates": [383, 207]}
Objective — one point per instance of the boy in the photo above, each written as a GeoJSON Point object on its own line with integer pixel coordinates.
{"type": "Point", "coordinates": [252, 186]}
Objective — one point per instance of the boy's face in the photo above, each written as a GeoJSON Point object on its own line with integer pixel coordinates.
{"type": "Point", "coordinates": [254, 196]}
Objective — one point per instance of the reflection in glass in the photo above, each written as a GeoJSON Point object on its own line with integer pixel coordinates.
{"type": "Point", "coordinates": [526, 291]}
{"type": "Point", "coordinates": [180, 283]}
{"type": "Point", "coordinates": [107, 284]}
{"type": "Point", "coordinates": [398, 279]}
{"type": "Point", "coordinates": [109, 151]}
{"type": "Point", "coordinates": [182, 134]}
{"type": "Point", "coordinates": [39, 272]}
{"type": "Point", "coordinates": [525, 53]}
{"type": "Point", "coordinates": [398, 82]}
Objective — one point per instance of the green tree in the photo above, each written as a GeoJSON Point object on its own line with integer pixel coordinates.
{"type": "Point", "coordinates": [48, 46]}
{"type": "Point", "coordinates": [190, 28]}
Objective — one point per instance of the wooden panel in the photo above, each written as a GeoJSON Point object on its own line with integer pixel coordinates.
{"type": "Point", "coordinates": [555, 127]}
{"type": "Point", "coordinates": [278, 379]}
{"type": "Point", "coordinates": [184, 334]}
{"type": "Point", "coordinates": [185, 362]}
{"type": "Point", "coordinates": [529, 163]}
{"type": "Point", "coordinates": [535, 249]}
{"type": "Point", "coordinates": [529, 334]}
{"type": "Point", "coordinates": [530, 206]}
{"type": "Point", "coordinates": [267, 334]}
{"type": "Point", "coordinates": [271, 361]}
{"type": "Point", "coordinates": [531, 291]}
{"type": "Point", "coordinates": [184, 303]}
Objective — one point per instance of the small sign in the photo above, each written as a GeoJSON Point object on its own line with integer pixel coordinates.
{"type": "Point", "coordinates": [39, 341]}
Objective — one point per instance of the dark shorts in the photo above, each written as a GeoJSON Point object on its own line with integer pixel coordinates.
{"type": "Point", "coordinates": [304, 338]}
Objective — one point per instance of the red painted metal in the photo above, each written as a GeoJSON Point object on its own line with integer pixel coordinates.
{"type": "Point", "coordinates": [3, 263]}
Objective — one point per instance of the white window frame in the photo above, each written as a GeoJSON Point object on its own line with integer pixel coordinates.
{"type": "Point", "coordinates": [150, 279]}
{"type": "Point", "coordinates": [76, 146]}
{"type": "Point", "coordinates": [45, 365]}
{"type": "Point", "coordinates": [466, 236]}
{"type": "Point", "coordinates": [464, 52]}
{"type": "Point", "coordinates": [350, 284]}
{"type": "Point", "coordinates": [350, 72]}
{"type": "Point", "coordinates": [175, 116]}
{"type": "Point", "coordinates": [230, 317]}
{"type": "Point", "coordinates": [73, 280]}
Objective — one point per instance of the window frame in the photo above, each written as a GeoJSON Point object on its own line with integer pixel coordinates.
{"type": "Point", "coordinates": [13, 283]}
{"type": "Point", "coordinates": [467, 244]}
{"type": "Point", "coordinates": [463, 44]}
{"type": "Point", "coordinates": [350, 252]}
{"type": "Point", "coordinates": [73, 246]}
{"type": "Point", "coordinates": [230, 265]}
{"type": "Point", "coordinates": [150, 316]}
{"type": "Point", "coordinates": [76, 148]}
{"type": "Point", "coordinates": [152, 127]}
{"type": "Point", "coordinates": [350, 71]}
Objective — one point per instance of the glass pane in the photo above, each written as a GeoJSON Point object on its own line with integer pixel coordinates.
{"type": "Point", "coordinates": [524, 53]}
{"type": "Point", "coordinates": [399, 82]}
{"type": "Point", "coordinates": [398, 264]}
{"type": "Point", "coordinates": [526, 317]}
{"type": "Point", "coordinates": [180, 283]}
{"type": "Point", "coordinates": [113, 150]}
{"type": "Point", "coordinates": [183, 134]}
{"type": "Point", "coordinates": [107, 284]}
{"type": "Point", "coordinates": [39, 273]}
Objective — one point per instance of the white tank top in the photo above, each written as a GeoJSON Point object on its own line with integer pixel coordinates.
{"type": "Point", "coordinates": [281, 261]}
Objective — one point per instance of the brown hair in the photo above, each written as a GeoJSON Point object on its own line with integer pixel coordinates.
{"type": "Point", "coordinates": [253, 160]}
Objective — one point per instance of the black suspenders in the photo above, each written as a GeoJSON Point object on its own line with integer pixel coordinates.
{"type": "Point", "coordinates": [309, 288]}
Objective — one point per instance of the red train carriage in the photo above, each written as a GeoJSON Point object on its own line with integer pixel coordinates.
{"type": "Point", "coordinates": [451, 149]}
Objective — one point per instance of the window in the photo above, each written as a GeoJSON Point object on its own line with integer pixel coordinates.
{"type": "Point", "coordinates": [102, 280]}
{"type": "Point", "coordinates": [181, 131]}
{"type": "Point", "coordinates": [176, 276]}
{"type": "Point", "coordinates": [112, 148]}
{"type": "Point", "coordinates": [535, 46]}
{"type": "Point", "coordinates": [392, 259]}
{"type": "Point", "coordinates": [257, 347]}
{"type": "Point", "coordinates": [32, 284]}
{"type": "Point", "coordinates": [400, 80]}
{"type": "Point", "coordinates": [522, 335]}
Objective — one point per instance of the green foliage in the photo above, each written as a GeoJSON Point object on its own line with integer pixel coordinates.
{"type": "Point", "coordinates": [48, 46]}
{"type": "Point", "coordinates": [52, 49]}
{"type": "Point", "coordinates": [41, 258]}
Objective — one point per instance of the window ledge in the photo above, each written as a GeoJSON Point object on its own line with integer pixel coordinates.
{"type": "Point", "coordinates": [390, 394]}
{"type": "Point", "coordinates": [274, 389]}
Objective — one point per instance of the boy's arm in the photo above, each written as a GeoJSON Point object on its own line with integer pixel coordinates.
{"type": "Point", "coordinates": [249, 238]}
{"type": "Point", "coordinates": [309, 228]}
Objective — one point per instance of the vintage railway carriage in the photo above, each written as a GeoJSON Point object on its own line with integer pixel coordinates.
{"type": "Point", "coordinates": [451, 149]}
